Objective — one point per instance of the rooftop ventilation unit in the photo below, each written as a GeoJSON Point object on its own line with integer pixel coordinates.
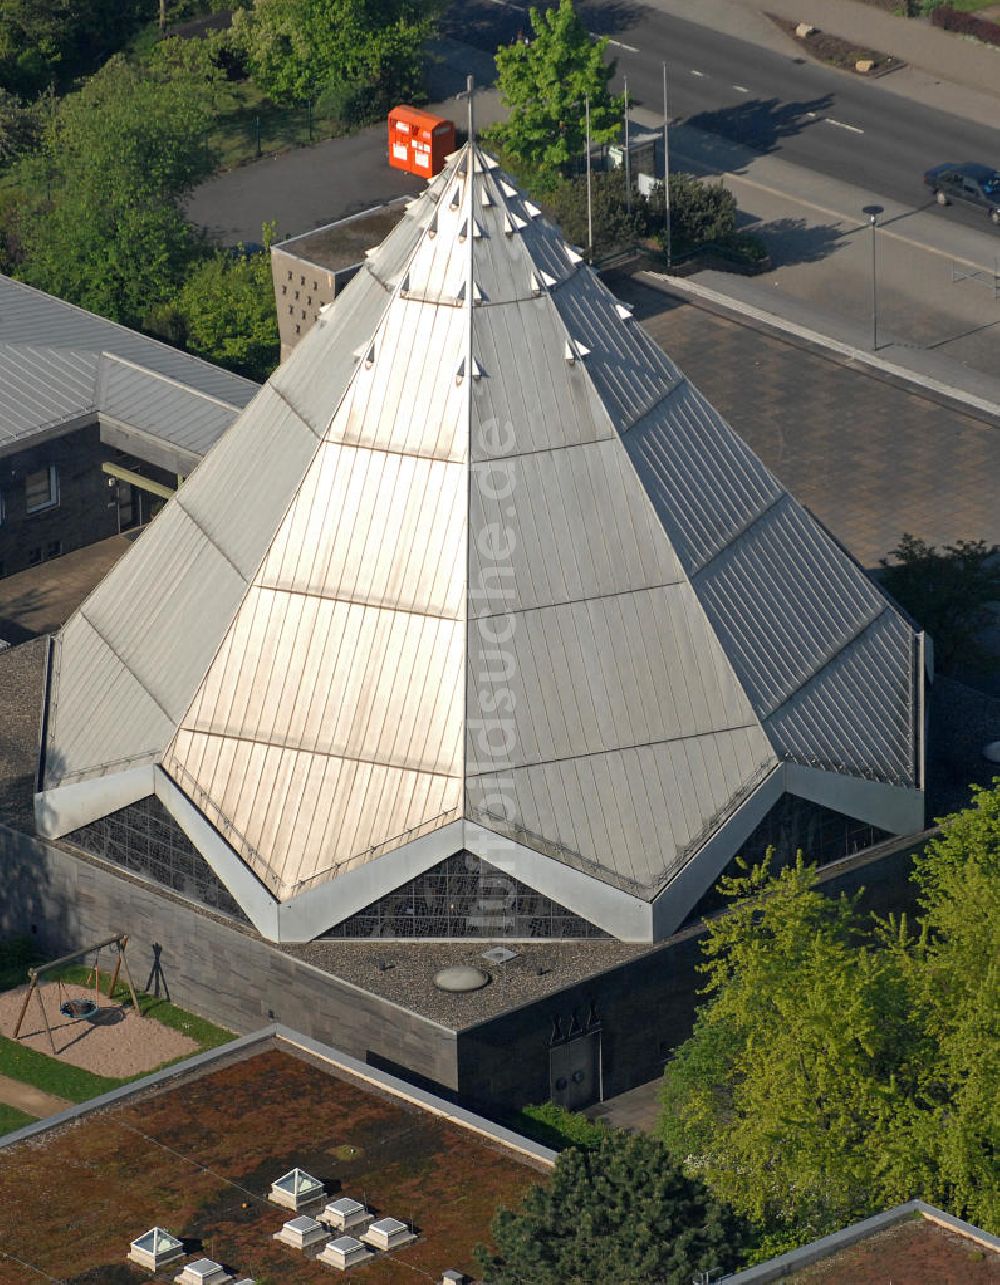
{"type": "Point", "coordinates": [302, 1233]}
{"type": "Point", "coordinates": [296, 1189]}
{"type": "Point", "coordinates": [155, 1249]}
{"type": "Point", "coordinates": [205, 1271]}
{"type": "Point", "coordinates": [388, 1233]}
{"type": "Point", "coordinates": [344, 1252]}
{"type": "Point", "coordinates": [346, 1214]}
{"type": "Point", "coordinates": [499, 955]}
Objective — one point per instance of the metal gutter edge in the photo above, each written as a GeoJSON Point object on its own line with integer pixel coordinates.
{"type": "Point", "coordinates": [418, 1097]}
{"type": "Point", "coordinates": [377, 1079]}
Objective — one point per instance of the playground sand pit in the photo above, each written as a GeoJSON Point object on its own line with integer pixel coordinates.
{"type": "Point", "coordinates": [113, 1042]}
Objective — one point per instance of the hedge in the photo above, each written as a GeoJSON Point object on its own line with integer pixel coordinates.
{"type": "Point", "coordinates": [966, 23]}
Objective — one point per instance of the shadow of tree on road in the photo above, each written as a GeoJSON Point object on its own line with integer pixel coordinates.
{"type": "Point", "coordinates": [792, 241]}
{"type": "Point", "coordinates": [761, 123]}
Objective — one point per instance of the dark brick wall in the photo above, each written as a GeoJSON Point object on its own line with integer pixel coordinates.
{"type": "Point", "coordinates": [646, 1006]}
{"type": "Point", "coordinates": [87, 510]}
{"type": "Point", "coordinates": [225, 975]}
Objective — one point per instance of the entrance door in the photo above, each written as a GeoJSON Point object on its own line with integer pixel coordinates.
{"type": "Point", "coordinates": [575, 1071]}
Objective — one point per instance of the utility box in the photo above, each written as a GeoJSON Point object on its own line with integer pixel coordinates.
{"type": "Point", "coordinates": [642, 153]}
{"type": "Point", "coordinates": [419, 142]}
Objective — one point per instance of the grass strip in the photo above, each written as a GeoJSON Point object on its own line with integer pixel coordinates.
{"type": "Point", "coordinates": [11, 1119]}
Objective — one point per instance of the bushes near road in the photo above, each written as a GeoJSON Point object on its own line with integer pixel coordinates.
{"type": "Point", "coordinates": [968, 24]}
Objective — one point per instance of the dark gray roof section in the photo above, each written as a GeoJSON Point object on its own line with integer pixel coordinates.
{"type": "Point", "coordinates": [59, 364]}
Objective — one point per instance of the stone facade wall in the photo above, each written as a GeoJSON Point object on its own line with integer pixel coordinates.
{"type": "Point", "coordinates": [217, 971]}
{"type": "Point", "coordinates": [301, 288]}
{"type": "Point", "coordinates": [645, 1007]}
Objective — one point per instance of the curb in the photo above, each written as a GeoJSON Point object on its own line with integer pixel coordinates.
{"type": "Point", "coordinates": [980, 406]}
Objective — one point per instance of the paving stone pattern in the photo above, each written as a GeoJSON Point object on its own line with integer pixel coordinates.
{"type": "Point", "coordinates": [869, 458]}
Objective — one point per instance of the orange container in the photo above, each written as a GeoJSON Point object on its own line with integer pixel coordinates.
{"type": "Point", "coordinates": [418, 141]}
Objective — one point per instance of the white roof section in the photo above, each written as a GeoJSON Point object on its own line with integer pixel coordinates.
{"type": "Point", "coordinates": [479, 488]}
{"type": "Point", "coordinates": [59, 363]}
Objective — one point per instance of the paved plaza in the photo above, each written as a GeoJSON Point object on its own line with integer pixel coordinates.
{"type": "Point", "coordinates": [871, 458]}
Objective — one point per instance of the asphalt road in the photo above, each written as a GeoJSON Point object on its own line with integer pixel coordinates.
{"type": "Point", "coordinates": [811, 115]}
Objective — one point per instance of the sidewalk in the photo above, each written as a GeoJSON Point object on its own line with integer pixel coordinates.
{"type": "Point", "coordinates": [938, 280]}
{"type": "Point", "coordinates": [32, 1101]}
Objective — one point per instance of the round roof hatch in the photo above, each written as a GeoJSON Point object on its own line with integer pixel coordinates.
{"type": "Point", "coordinates": [991, 752]}
{"type": "Point", "coordinates": [460, 977]}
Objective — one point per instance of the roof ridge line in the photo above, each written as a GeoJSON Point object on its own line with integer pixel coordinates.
{"type": "Point", "coordinates": [137, 334]}
{"type": "Point", "coordinates": [886, 608]}
{"type": "Point", "coordinates": [624, 749]}
{"type": "Point", "coordinates": [593, 597]}
{"type": "Point", "coordinates": [105, 356]}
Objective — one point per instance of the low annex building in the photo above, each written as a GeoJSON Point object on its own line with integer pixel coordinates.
{"type": "Point", "coordinates": [479, 621]}
{"type": "Point", "coordinates": [97, 424]}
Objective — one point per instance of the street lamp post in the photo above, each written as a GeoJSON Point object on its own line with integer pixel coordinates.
{"type": "Point", "coordinates": [590, 217]}
{"type": "Point", "coordinates": [628, 158]}
{"type": "Point", "coordinates": [873, 211]}
{"type": "Point", "coordinates": [666, 163]}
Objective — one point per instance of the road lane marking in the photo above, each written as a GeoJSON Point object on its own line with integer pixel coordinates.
{"type": "Point", "coordinates": [841, 125]}
{"type": "Point", "coordinates": [741, 89]}
{"type": "Point", "coordinates": [619, 44]}
{"type": "Point", "coordinates": [853, 225]}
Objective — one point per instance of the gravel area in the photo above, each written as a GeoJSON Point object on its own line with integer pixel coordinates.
{"type": "Point", "coordinates": [22, 676]}
{"type": "Point", "coordinates": [403, 971]}
{"type": "Point", "coordinates": [114, 1042]}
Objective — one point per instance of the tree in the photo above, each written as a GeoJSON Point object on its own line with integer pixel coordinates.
{"type": "Point", "coordinates": [44, 41]}
{"type": "Point", "coordinates": [784, 1091]}
{"type": "Point", "coordinates": [699, 212]}
{"type": "Point", "coordinates": [543, 83]}
{"type": "Point", "coordinates": [958, 985]}
{"type": "Point", "coordinates": [614, 225]}
{"type": "Point", "coordinates": [225, 312]}
{"type": "Point", "coordinates": [619, 1211]}
{"type": "Point", "coordinates": [297, 50]}
{"type": "Point", "coordinates": [842, 1065]}
{"type": "Point", "coordinates": [105, 227]}
{"type": "Point", "coordinates": [948, 593]}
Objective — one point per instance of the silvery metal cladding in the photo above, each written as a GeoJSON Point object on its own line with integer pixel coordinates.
{"type": "Point", "coordinates": [478, 486]}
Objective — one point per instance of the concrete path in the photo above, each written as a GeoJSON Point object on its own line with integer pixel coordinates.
{"type": "Point", "coordinates": [32, 1101]}
{"type": "Point", "coordinates": [637, 1110]}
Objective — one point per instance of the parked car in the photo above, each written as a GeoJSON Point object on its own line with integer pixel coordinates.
{"type": "Point", "coordinates": [976, 185]}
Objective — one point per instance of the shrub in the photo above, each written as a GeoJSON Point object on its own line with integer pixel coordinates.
{"type": "Point", "coordinates": [699, 212]}
{"type": "Point", "coordinates": [967, 24]}
{"type": "Point", "coordinates": [615, 226]}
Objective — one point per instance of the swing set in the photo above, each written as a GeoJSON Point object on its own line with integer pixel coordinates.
{"type": "Point", "coordinates": [79, 1008]}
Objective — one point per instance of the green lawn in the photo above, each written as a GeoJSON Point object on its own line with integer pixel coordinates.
{"type": "Point", "coordinates": [11, 1119]}
{"type": "Point", "coordinates": [50, 1075]}
{"type": "Point", "coordinates": [971, 6]}
{"type": "Point", "coordinates": [234, 138]}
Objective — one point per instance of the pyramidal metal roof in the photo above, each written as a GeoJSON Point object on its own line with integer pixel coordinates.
{"type": "Point", "coordinates": [478, 551]}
